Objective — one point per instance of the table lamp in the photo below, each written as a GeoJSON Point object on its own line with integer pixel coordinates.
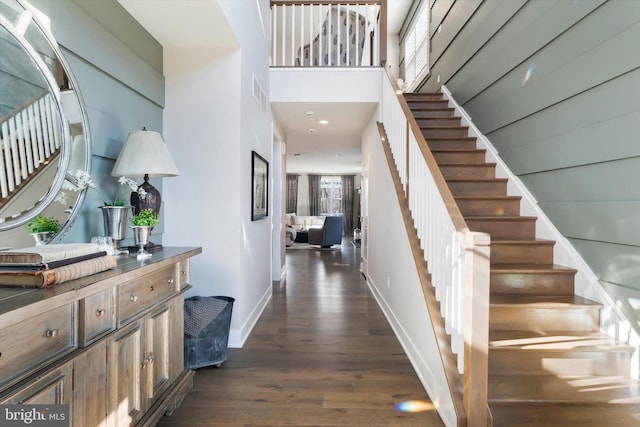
{"type": "Point", "coordinates": [145, 154]}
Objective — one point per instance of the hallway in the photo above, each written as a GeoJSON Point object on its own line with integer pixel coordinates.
{"type": "Point", "coordinates": [322, 354]}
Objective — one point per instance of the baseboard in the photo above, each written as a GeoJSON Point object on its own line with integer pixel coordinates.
{"type": "Point", "coordinates": [237, 337]}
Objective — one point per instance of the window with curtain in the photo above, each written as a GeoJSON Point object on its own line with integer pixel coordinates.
{"type": "Point", "coordinates": [292, 193]}
{"type": "Point", "coordinates": [330, 195]}
{"type": "Point", "coordinates": [416, 48]}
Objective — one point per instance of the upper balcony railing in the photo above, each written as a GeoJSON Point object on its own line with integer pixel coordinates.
{"type": "Point", "coordinates": [329, 33]}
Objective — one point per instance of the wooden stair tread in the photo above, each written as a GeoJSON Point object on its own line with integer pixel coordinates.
{"type": "Point", "coordinates": [562, 415]}
{"type": "Point", "coordinates": [477, 180]}
{"type": "Point", "coordinates": [467, 165]}
{"type": "Point", "coordinates": [523, 242]}
{"type": "Point", "coordinates": [542, 301]}
{"type": "Point", "coordinates": [451, 138]}
{"type": "Point", "coordinates": [487, 197]}
{"type": "Point", "coordinates": [420, 95]}
{"type": "Point", "coordinates": [501, 218]}
{"type": "Point", "coordinates": [617, 390]}
{"type": "Point", "coordinates": [558, 341]}
{"type": "Point", "coordinates": [531, 268]}
{"type": "Point", "coordinates": [458, 150]}
{"type": "Point", "coordinates": [431, 107]}
{"type": "Point", "coordinates": [441, 126]}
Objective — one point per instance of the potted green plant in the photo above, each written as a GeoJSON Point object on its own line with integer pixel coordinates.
{"type": "Point", "coordinates": [43, 228]}
{"type": "Point", "coordinates": [142, 223]}
{"type": "Point", "coordinates": [145, 218]}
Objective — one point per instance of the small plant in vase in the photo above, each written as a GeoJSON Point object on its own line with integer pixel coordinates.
{"type": "Point", "coordinates": [146, 218]}
{"type": "Point", "coordinates": [142, 223]}
{"type": "Point", "coordinates": [114, 210]}
{"type": "Point", "coordinates": [43, 228]}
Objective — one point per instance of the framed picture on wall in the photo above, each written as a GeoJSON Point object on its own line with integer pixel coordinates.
{"type": "Point", "coordinates": [259, 187]}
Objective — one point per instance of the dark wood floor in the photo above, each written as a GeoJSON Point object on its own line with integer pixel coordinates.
{"type": "Point", "coordinates": [322, 354]}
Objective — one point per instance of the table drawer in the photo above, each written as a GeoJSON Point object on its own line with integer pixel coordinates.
{"type": "Point", "coordinates": [27, 345]}
{"type": "Point", "coordinates": [140, 294]}
{"type": "Point", "coordinates": [97, 316]}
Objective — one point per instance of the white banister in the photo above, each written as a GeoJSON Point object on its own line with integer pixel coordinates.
{"type": "Point", "coordinates": [303, 33]}
{"type": "Point", "coordinates": [457, 259]}
{"type": "Point", "coordinates": [27, 139]}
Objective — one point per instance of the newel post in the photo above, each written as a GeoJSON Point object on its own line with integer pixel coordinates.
{"type": "Point", "coordinates": [476, 328]}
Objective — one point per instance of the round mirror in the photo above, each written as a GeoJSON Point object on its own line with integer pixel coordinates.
{"type": "Point", "coordinates": [43, 132]}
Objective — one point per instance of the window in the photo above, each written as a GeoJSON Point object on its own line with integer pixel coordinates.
{"type": "Point", "coordinates": [416, 48]}
{"type": "Point", "coordinates": [330, 195]}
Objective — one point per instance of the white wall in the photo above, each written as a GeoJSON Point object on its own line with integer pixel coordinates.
{"type": "Point", "coordinates": [210, 108]}
{"type": "Point", "coordinates": [393, 278]}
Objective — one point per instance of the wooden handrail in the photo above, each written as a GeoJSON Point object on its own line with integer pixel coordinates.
{"type": "Point", "coordinates": [448, 359]}
{"type": "Point", "coordinates": [443, 187]}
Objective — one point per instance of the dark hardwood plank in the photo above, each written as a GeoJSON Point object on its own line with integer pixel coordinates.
{"type": "Point", "coordinates": [322, 354]}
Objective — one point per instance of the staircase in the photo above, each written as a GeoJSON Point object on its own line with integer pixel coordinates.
{"type": "Point", "coordinates": [548, 363]}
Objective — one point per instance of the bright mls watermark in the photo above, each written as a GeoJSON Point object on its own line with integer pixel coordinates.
{"type": "Point", "coordinates": [34, 415]}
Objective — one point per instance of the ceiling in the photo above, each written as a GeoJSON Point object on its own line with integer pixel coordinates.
{"type": "Point", "coordinates": [332, 148]}
{"type": "Point", "coordinates": [314, 147]}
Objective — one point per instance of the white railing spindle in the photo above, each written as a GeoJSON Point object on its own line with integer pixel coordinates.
{"type": "Point", "coordinates": [7, 181]}
{"type": "Point", "coordinates": [274, 32]}
{"type": "Point", "coordinates": [284, 34]}
{"type": "Point", "coordinates": [299, 37]}
{"type": "Point", "coordinates": [27, 139]}
{"type": "Point", "coordinates": [27, 132]}
{"type": "Point", "coordinates": [15, 160]}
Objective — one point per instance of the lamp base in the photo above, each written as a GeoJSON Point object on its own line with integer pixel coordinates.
{"type": "Point", "coordinates": [152, 200]}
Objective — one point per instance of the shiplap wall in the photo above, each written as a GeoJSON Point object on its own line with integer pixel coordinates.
{"type": "Point", "coordinates": [118, 66]}
{"type": "Point", "coordinates": [555, 86]}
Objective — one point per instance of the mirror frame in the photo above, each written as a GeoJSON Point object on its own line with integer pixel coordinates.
{"type": "Point", "coordinates": [62, 173]}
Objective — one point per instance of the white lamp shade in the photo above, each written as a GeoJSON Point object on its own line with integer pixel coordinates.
{"type": "Point", "coordinates": [144, 153]}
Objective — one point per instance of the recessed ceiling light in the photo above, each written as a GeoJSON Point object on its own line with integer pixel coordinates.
{"type": "Point", "coordinates": [312, 130]}
{"type": "Point", "coordinates": [309, 114]}
{"type": "Point", "coordinates": [297, 154]}
{"type": "Point", "coordinates": [323, 122]}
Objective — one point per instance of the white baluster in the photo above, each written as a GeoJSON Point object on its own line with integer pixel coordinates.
{"type": "Point", "coordinates": [15, 160]}
{"type": "Point", "coordinates": [293, 35]}
{"type": "Point", "coordinates": [26, 129]}
{"type": "Point", "coordinates": [4, 179]}
{"type": "Point", "coordinates": [284, 32]}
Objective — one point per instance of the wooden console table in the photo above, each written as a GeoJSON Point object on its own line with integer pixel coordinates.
{"type": "Point", "coordinates": [108, 345]}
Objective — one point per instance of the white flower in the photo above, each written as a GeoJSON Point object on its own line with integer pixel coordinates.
{"type": "Point", "coordinates": [84, 181]}
{"type": "Point", "coordinates": [61, 198]}
{"type": "Point", "coordinates": [123, 180]}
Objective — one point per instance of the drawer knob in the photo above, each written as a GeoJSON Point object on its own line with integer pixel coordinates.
{"type": "Point", "coordinates": [151, 288]}
{"type": "Point", "coordinates": [146, 361]}
{"type": "Point", "coordinates": [100, 312]}
{"type": "Point", "coordinates": [133, 298]}
{"type": "Point", "coordinates": [170, 280]}
{"type": "Point", "coordinates": [183, 273]}
{"type": "Point", "coordinates": [51, 333]}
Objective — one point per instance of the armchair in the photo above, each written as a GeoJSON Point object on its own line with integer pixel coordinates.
{"type": "Point", "coordinates": [329, 234]}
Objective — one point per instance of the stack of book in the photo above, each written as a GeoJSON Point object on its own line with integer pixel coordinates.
{"type": "Point", "coordinates": [42, 266]}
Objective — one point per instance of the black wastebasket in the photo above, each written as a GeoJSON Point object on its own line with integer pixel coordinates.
{"type": "Point", "coordinates": [206, 330]}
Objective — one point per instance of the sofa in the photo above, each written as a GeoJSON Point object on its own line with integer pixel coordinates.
{"type": "Point", "coordinates": [303, 222]}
